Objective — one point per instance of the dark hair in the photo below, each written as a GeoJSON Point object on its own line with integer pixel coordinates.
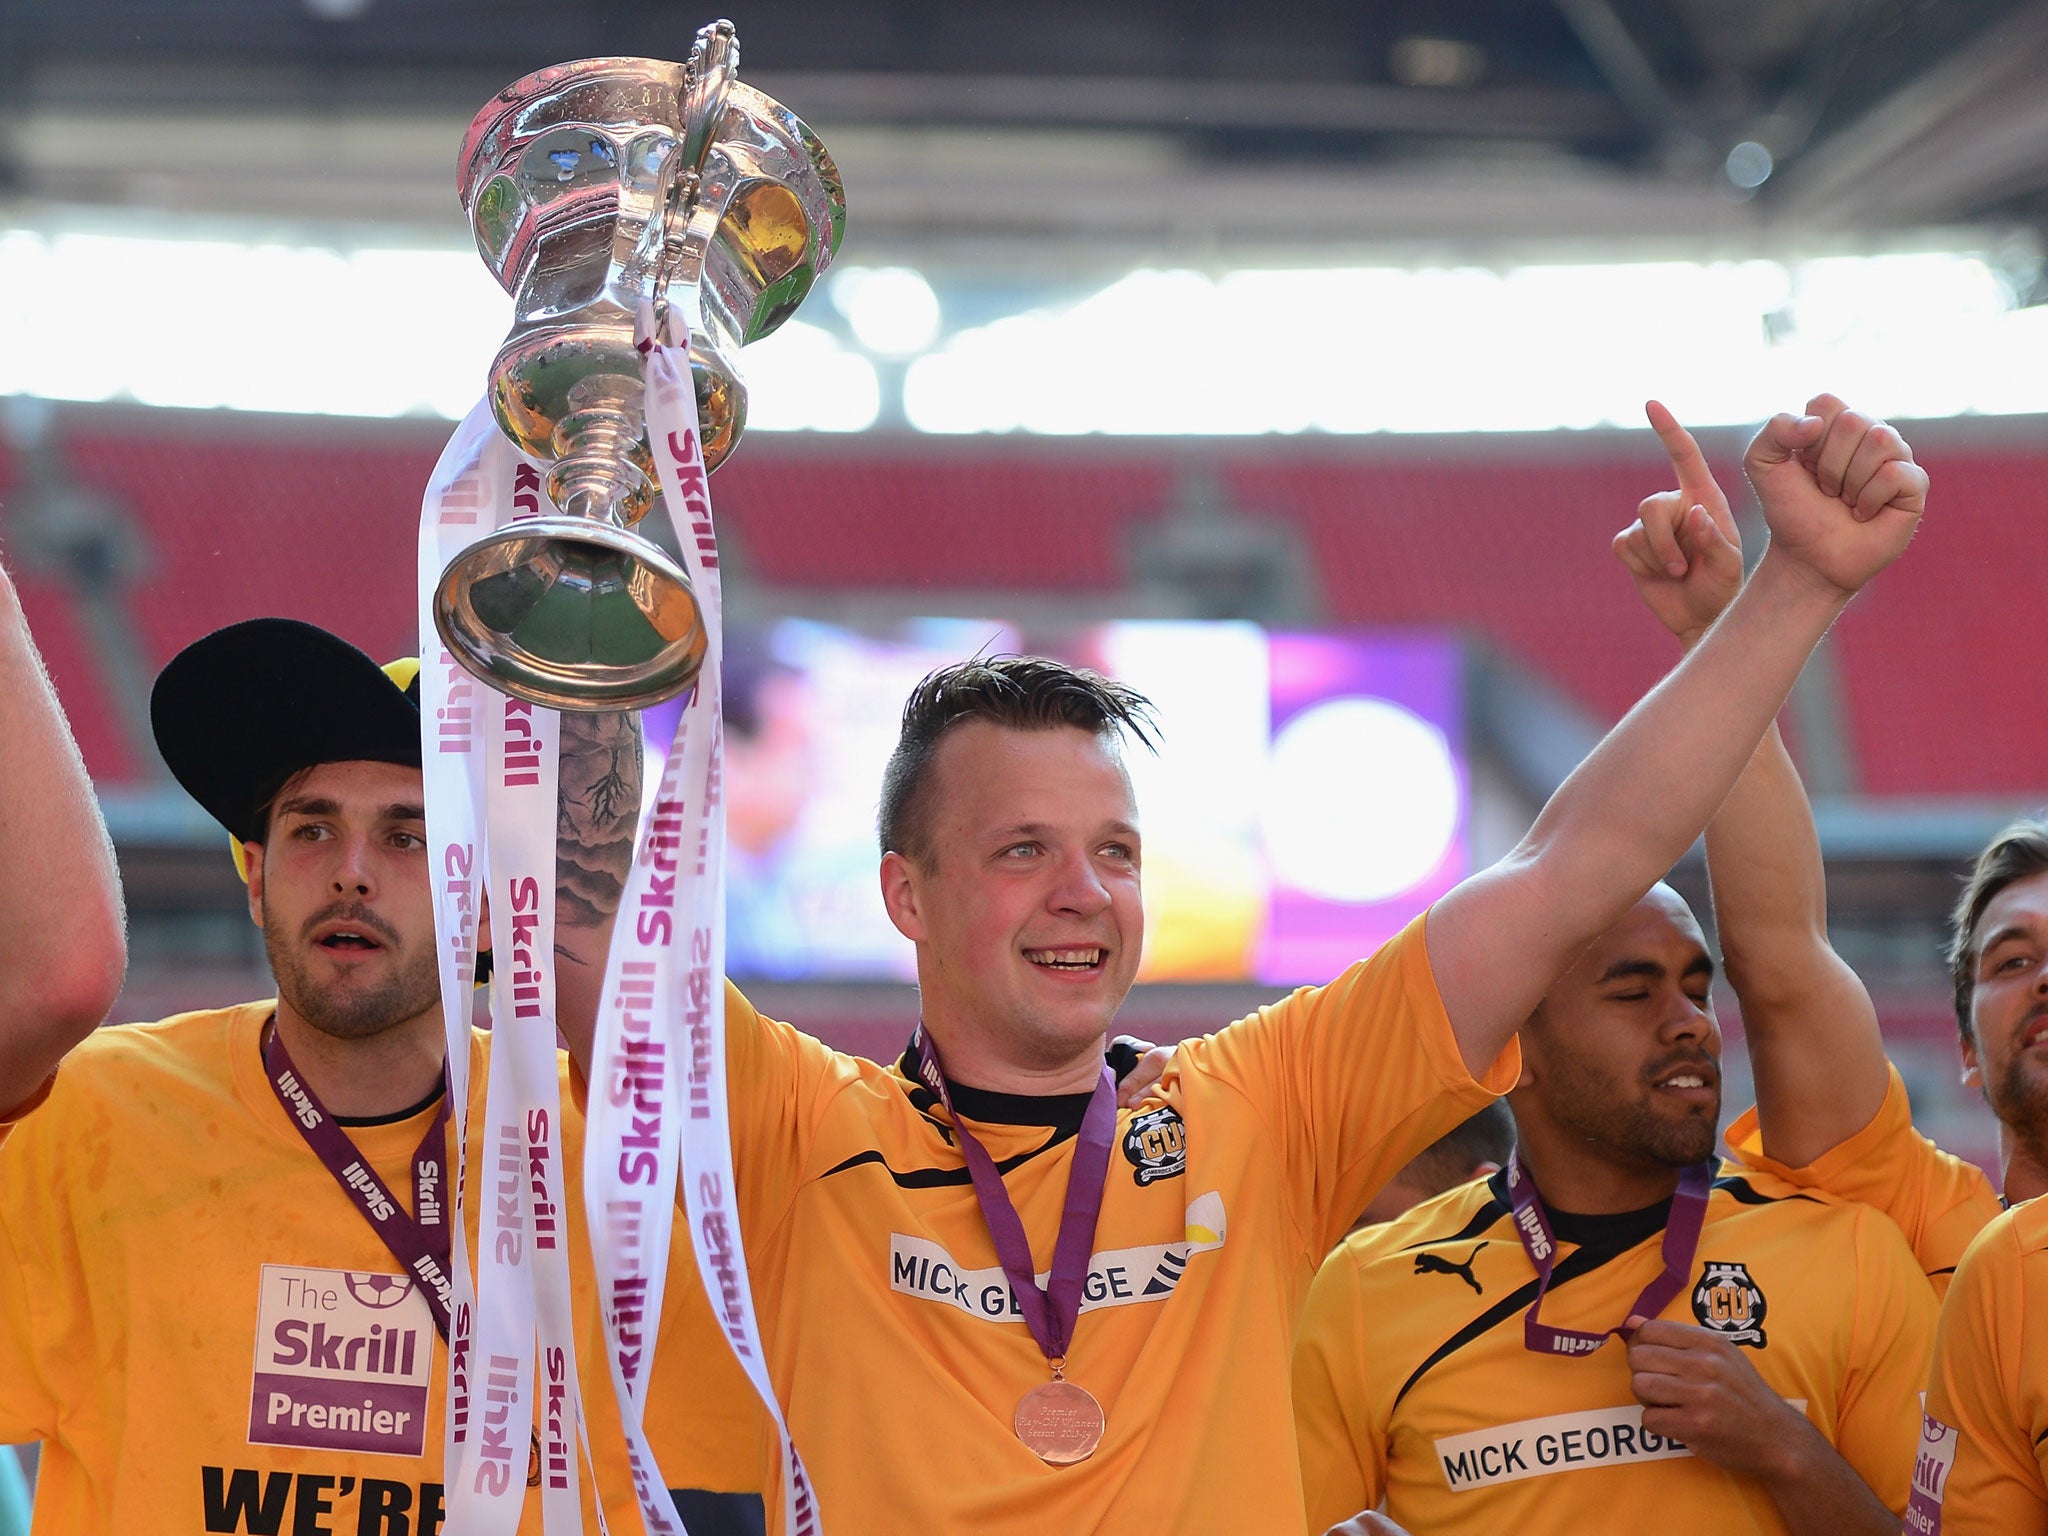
{"type": "Point", "coordinates": [2018, 853]}
{"type": "Point", "coordinates": [1019, 693]}
{"type": "Point", "coordinates": [1447, 1162]}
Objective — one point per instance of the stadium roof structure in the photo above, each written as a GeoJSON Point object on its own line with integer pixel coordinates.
{"type": "Point", "coordinates": [1123, 124]}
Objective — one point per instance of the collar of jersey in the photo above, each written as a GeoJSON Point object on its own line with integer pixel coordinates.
{"type": "Point", "coordinates": [360, 1122]}
{"type": "Point", "coordinates": [395, 1117]}
{"type": "Point", "coordinates": [1062, 1111]}
{"type": "Point", "coordinates": [1609, 1232]}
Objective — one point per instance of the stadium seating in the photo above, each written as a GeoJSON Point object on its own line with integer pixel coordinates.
{"type": "Point", "coordinates": [1504, 538]}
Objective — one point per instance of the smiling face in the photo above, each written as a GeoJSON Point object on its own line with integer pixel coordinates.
{"type": "Point", "coordinates": [1026, 912]}
{"type": "Point", "coordinates": [1623, 1061]}
{"type": "Point", "coordinates": [340, 889]}
{"type": "Point", "coordinates": [2008, 1040]}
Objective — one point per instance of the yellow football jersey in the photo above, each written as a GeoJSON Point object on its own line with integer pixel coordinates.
{"type": "Point", "coordinates": [1413, 1383]}
{"type": "Point", "coordinates": [178, 1272]}
{"type": "Point", "coordinates": [1938, 1200]}
{"type": "Point", "coordinates": [1983, 1466]}
{"type": "Point", "coordinates": [891, 1335]}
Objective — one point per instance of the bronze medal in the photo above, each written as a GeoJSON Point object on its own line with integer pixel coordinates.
{"type": "Point", "coordinates": [1060, 1422]}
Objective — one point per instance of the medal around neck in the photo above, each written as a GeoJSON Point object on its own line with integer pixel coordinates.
{"type": "Point", "coordinates": [594, 188]}
{"type": "Point", "coordinates": [1059, 1422]}
{"type": "Point", "coordinates": [1539, 1242]}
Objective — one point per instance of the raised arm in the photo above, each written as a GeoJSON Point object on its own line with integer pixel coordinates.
{"type": "Point", "coordinates": [1811, 1029]}
{"type": "Point", "coordinates": [60, 892]}
{"type": "Point", "coordinates": [1628, 812]}
{"type": "Point", "coordinates": [599, 812]}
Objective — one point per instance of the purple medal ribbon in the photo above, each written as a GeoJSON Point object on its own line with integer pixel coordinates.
{"type": "Point", "coordinates": [1048, 1313]}
{"type": "Point", "coordinates": [1681, 1243]}
{"type": "Point", "coordinates": [421, 1242]}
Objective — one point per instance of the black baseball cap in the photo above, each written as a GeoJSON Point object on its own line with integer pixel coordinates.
{"type": "Point", "coordinates": [240, 711]}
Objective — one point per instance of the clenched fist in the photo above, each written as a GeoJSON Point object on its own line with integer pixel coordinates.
{"type": "Point", "coordinates": [1839, 489]}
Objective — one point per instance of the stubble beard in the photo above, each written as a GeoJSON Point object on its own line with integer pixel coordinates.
{"type": "Point", "coordinates": [1027, 1039]}
{"type": "Point", "coordinates": [2020, 1101]}
{"type": "Point", "coordinates": [1602, 1110]}
{"type": "Point", "coordinates": [357, 1012]}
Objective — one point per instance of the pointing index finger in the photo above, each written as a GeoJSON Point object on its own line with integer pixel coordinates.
{"type": "Point", "coordinates": [1694, 476]}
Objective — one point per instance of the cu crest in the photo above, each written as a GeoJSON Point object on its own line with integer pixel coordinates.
{"type": "Point", "coordinates": [1156, 1145]}
{"type": "Point", "coordinates": [1730, 1303]}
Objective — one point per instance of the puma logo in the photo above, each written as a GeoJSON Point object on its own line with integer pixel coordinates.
{"type": "Point", "coordinates": [1431, 1264]}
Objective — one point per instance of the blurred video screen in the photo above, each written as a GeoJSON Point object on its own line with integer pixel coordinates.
{"type": "Point", "coordinates": [1310, 795]}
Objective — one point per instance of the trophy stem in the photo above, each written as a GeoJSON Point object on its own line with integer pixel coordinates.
{"type": "Point", "coordinates": [594, 473]}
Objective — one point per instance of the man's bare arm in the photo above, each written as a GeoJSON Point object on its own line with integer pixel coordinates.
{"type": "Point", "coordinates": [1811, 1029]}
{"type": "Point", "coordinates": [60, 891]}
{"type": "Point", "coordinates": [599, 812]}
{"type": "Point", "coordinates": [1499, 940]}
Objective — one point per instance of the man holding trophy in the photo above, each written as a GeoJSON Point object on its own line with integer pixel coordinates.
{"type": "Point", "coordinates": [897, 1271]}
{"type": "Point", "coordinates": [977, 1294]}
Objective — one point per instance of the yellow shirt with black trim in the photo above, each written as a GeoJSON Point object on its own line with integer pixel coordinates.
{"type": "Point", "coordinates": [1938, 1200]}
{"type": "Point", "coordinates": [891, 1335]}
{"type": "Point", "coordinates": [1413, 1382]}
{"type": "Point", "coordinates": [206, 1334]}
{"type": "Point", "coordinates": [1983, 1461]}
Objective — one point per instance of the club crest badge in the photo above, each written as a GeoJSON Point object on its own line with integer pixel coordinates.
{"type": "Point", "coordinates": [1156, 1145]}
{"type": "Point", "coordinates": [1731, 1304]}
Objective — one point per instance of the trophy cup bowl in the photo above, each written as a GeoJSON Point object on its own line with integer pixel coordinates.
{"type": "Point", "coordinates": [593, 188]}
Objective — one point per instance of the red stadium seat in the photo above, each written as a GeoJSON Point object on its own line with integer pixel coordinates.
{"type": "Point", "coordinates": [1505, 539]}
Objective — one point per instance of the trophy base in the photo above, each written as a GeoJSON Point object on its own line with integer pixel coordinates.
{"type": "Point", "coordinates": [572, 613]}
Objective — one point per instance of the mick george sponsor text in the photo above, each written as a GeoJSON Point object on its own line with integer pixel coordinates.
{"type": "Point", "coordinates": [1563, 1442]}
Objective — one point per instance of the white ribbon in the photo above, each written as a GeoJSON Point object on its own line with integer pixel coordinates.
{"type": "Point", "coordinates": [461, 504]}
{"type": "Point", "coordinates": [483, 750]}
{"type": "Point", "coordinates": [523, 796]}
{"type": "Point", "coordinates": [632, 1132]}
{"type": "Point", "coordinates": [658, 1091]}
{"type": "Point", "coordinates": [710, 1190]}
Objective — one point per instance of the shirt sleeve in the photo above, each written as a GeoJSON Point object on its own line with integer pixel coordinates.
{"type": "Point", "coordinates": [28, 1408]}
{"type": "Point", "coordinates": [1342, 1440]}
{"type": "Point", "coordinates": [778, 1081]}
{"type": "Point", "coordinates": [1877, 1423]}
{"type": "Point", "coordinates": [1977, 1468]}
{"type": "Point", "coordinates": [1353, 1079]}
{"type": "Point", "coordinates": [1938, 1200]}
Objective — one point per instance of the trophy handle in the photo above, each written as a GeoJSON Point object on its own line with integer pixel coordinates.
{"type": "Point", "coordinates": [708, 75]}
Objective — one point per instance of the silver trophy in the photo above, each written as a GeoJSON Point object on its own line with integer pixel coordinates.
{"type": "Point", "coordinates": [593, 187]}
